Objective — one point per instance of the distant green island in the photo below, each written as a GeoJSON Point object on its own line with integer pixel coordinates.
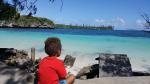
{"type": "Point", "coordinates": [39, 22]}
{"type": "Point", "coordinates": [84, 27]}
{"type": "Point", "coordinates": [28, 22]}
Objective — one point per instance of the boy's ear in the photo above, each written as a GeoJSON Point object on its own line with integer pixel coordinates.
{"type": "Point", "coordinates": [59, 52]}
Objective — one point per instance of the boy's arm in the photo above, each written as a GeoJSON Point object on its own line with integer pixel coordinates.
{"type": "Point", "coordinates": [70, 79]}
{"type": "Point", "coordinates": [61, 71]}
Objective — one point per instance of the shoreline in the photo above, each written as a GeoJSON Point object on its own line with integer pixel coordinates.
{"type": "Point", "coordinates": [6, 27]}
{"type": "Point", "coordinates": [84, 59]}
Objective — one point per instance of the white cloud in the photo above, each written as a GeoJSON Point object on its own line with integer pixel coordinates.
{"type": "Point", "coordinates": [140, 23]}
{"type": "Point", "coordinates": [120, 21]}
{"type": "Point", "coordinates": [116, 22]}
{"type": "Point", "coordinates": [100, 20]}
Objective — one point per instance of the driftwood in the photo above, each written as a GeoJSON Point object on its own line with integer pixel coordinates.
{"type": "Point", "coordinates": [33, 54]}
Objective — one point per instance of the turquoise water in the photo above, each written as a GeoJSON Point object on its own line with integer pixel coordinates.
{"type": "Point", "coordinates": [84, 44]}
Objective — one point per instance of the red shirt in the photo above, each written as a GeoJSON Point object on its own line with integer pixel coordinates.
{"type": "Point", "coordinates": [51, 70]}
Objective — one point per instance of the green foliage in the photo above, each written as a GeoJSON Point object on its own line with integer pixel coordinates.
{"type": "Point", "coordinates": [27, 21]}
{"type": "Point", "coordinates": [7, 11]}
{"type": "Point", "coordinates": [42, 20]}
{"type": "Point", "coordinates": [17, 16]}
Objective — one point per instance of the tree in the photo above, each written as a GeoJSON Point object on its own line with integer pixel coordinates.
{"type": "Point", "coordinates": [146, 17]}
{"type": "Point", "coordinates": [7, 11]}
{"type": "Point", "coordinates": [28, 6]}
{"type": "Point", "coordinates": [25, 5]}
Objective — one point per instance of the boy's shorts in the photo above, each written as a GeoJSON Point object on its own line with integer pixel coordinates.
{"type": "Point", "coordinates": [62, 82]}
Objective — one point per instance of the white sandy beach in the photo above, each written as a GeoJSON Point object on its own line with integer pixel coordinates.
{"type": "Point", "coordinates": [116, 80]}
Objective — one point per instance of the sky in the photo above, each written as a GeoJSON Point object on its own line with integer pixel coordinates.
{"type": "Point", "coordinates": [123, 14]}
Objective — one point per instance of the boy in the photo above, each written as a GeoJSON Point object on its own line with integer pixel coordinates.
{"type": "Point", "coordinates": [51, 69]}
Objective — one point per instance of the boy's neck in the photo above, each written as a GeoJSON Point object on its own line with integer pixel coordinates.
{"type": "Point", "coordinates": [54, 56]}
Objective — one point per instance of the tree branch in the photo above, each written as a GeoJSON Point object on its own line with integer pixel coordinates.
{"type": "Point", "coordinates": [61, 5]}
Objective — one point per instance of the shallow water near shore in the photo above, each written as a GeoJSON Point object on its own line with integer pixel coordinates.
{"type": "Point", "coordinates": [84, 44]}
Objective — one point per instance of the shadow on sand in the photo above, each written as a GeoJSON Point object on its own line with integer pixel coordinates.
{"type": "Point", "coordinates": [11, 75]}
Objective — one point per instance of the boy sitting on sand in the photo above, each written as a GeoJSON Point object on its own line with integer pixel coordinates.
{"type": "Point", "coordinates": [51, 69]}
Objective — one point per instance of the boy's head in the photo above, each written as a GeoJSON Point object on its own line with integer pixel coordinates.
{"type": "Point", "coordinates": [53, 46]}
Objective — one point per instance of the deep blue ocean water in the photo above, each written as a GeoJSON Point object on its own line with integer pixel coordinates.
{"type": "Point", "coordinates": [122, 33]}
